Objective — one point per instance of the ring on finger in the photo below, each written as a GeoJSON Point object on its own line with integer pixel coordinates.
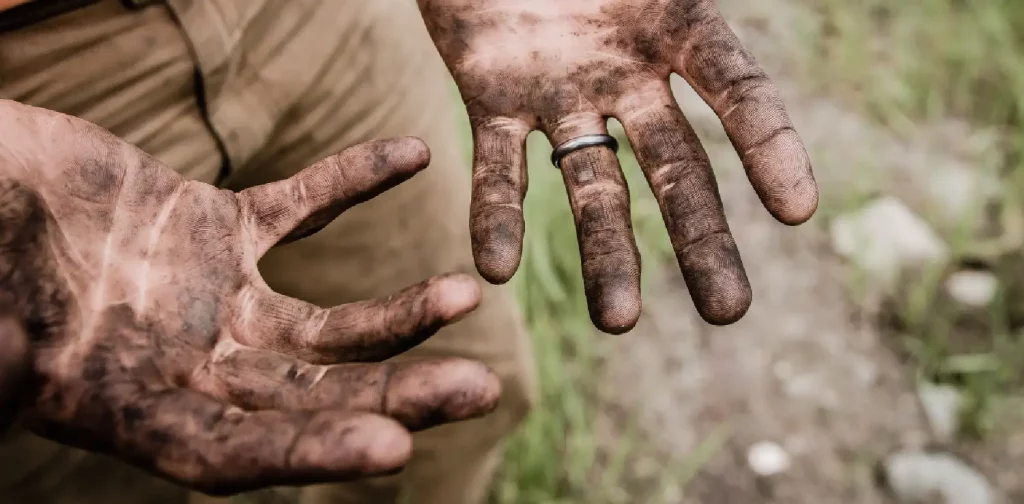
{"type": "Point", "coordinates": [581, 142]}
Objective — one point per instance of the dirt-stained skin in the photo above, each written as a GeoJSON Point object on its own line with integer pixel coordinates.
{"type": "Point", "coordinates": [151, 336]}
{"type": "Point", "coordinates": [564, 67]}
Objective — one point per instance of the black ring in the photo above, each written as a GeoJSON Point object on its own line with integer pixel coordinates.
{"type": "Point", "coordinates": [581, 142]}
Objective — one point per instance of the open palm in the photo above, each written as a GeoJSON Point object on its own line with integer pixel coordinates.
{"type": "Point", "coordinates": [154, 338]}
{"type": "Point", "coordinates": [564, 67]}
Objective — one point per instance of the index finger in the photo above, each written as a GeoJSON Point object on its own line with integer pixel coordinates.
{"type": "Point", "coordinates": [496, 207]}
{"type": "Point", "coordinates": [299, 206]}
{"type": "Point", "coordinates": [680, 175]}
{"type": "Point", "coordinates": [726, 76]}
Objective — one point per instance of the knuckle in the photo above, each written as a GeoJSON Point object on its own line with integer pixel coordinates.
{"type": "Point", "coordinates": [754, 87]}
{"type": "Point", "coordinates": [603, 190]}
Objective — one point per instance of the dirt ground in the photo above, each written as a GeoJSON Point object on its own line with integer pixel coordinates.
{"type": "Point", "coordinates": [806, 368]}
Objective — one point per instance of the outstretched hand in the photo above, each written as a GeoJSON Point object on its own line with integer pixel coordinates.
{"type": "Point", "coordinates": [564, 67]}
{"type": "Point", "coordinates": [153, 337]}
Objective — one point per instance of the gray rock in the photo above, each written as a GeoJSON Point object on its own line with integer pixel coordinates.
{"type": "Point", "coordinates": [768, 459]}
{"type": "Point", "coordinates": [972, 288]}
{"type": "Point", "coordinates": [884, 238]}
{"type": "Point", "coordinates": [936, 478]}
{"type": "Point", "coordinates": [941, 405]}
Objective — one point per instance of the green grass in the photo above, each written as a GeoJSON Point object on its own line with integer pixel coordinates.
{"type": "Point", "coordinates": [555, 456]}
{"type": "Point", "coordinates": [926, 59]}
{"type": "Point", "coordinates": [907, 63]}
{"type": "Point", "coordinates": [904, 63]}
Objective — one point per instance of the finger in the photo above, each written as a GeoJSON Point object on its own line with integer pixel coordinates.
{"type": "Point", "coordinates": [680, 176]}
{"type": "Point", "coordinates": [418, 394]}
{"type": "Point", "coordinates": [219, 449]}
{"type": "Point", "coordinates": [14, 357]}
{"type": "Point", "coordinates": [725, 74]}
{"type": "Point", "coordinates": [303, 204]}
{"type": "Point", "coordinates": [499, 186]}
{"type": "Point", "coordinates": [600, 206]}
{"type": "Point", "coordinates": [364, 331]}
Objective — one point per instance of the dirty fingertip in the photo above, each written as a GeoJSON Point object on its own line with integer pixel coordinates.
{"type": "Point", "coordinates": [417, 148]}
{"type": "Point", "coordinates": [430, 393]}
{"type": "Point", "coordinates": [390, 447]}
{"type": "Point", "coordinates": [781, 174]}
{"type": "Point", "coordinates": [715, 277]}
{"type": "Point", "coordinates": [409, 151]}
{"type": "Point", "coordinates": [498, 243]}
{"type": "Point", "coordinates": [724, 305]}
{"type": "Point", "coordinates": [497, 266]}
{"type": "Point", "coordinates": [616, 311]}
{"type": "Point", "coordinates": [478, 389]}
{"type": "Point", "coordinates": [799, 204]}
{"type": "Point", "coordinates": [456, 295]}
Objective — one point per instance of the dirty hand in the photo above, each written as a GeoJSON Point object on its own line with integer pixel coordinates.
{"type": "Point", "coordinates": [564, 66]}
{"type": "Point", "coordinates": [154, 339]}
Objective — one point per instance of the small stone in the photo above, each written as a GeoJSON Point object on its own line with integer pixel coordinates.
{"type": "Point", "coordinates": [941, 405]}
{"type": "Point", "coordinates": [973, 288]}
{"type": "Point", "coordinates": [939, 478]}
{"type": "Point", "coordinates": [768, 459]}
{"type": "Point", "coordinates": [885, 237]}
{"type": "Point", "coordinates": [958, 194]}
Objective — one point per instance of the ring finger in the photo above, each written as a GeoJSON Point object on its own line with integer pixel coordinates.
{"type": "Point", "coordinates": [599, 199]}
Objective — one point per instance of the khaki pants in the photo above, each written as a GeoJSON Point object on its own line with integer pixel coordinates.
{"type": "Point", "coordinates": [243, 92]}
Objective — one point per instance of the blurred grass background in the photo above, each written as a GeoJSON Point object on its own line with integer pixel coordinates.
{"type": "Point", "coordinates": [900, 62]}
{"type": "Point", "coordinates": [555, 457]}
{"type": "Point", "coordinates": [907, 62]}
{"type": "Point", "coordinates": [910, 63]}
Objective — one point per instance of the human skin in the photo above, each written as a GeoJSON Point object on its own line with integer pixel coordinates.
{"type": "Point", "coordinates": [147, 333]}
{"type": "Point", "coordinates": [8, 4]}
{"type": "Point", "coordinates": [563, 67]}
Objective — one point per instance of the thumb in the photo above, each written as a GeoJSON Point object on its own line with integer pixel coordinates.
{"type": "Point", "coordinates": [14, 365]}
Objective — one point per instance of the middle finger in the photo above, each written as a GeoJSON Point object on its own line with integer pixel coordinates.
{"type": "Point", "coordinates": [680, 175]}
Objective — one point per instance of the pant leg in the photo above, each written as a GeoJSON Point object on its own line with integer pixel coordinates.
{"type": "Point", "coordinates": [132, 73]}
{"type": "Point", "coordinates": [290, 81]}
{"type": "Point", "coordinates": [371, 72]}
